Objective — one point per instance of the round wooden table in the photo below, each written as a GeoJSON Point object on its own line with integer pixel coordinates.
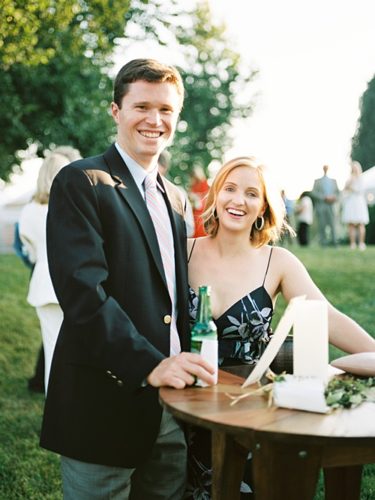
{"type": "Point", "coordinates": [288, 446]}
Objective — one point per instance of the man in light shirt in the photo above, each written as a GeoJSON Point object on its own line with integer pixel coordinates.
{"type": "Point", "coordinates": [325, 195]}
{"type": "Point", "coordinates": [123, 290]}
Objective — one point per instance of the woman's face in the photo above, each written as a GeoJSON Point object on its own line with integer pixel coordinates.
{"type": "Point", "coordinates": [240, 200]}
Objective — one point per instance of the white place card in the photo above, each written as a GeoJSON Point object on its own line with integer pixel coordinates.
{"type": "Point", "coordinates": [310, 339]}
{"type": "Point", "coordinates": [285, 324]}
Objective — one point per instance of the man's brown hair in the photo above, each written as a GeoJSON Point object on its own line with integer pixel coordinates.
{"type": "Point", "coordinates": [148, 70]}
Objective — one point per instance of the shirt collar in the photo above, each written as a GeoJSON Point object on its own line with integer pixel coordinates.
{"type": "Point", "coordinates": [137, 171]}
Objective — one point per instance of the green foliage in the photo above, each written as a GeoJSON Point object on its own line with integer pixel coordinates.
{"type": "Point", "coordinates": [54, 56]}
{"type": "Point", "coordinates": [27, 471]}
{"type": "Point", "coordinates": [27, 30]}
{"type": "Point", "coordinates": [363, 142]}
{"type": "Point", "coordinates": [348, 391]}
{"type": "Point", "coordinates": [33, 32]}
{"type": "Point", "coordinates": [217, 85]}
{"type": "Point", "coordinates": [65, 101]}
{"type": "Point", "coordinates": [370, 228]}
{"type": "Point", "coordinates": [213, 81]}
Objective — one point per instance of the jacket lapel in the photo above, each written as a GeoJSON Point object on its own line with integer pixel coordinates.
{"type": "Point", "coordinates": [175, 204]}
{"type": "Point", "coordinates": [127, 188]}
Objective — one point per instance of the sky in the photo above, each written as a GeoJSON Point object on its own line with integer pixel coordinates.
{"type": "Point", "coordinates": [314, 59]}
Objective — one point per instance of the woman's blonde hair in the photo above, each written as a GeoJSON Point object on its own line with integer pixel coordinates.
{"type": "Point", "coordinates": [50, 167]}
{"type": "Point", "coordinates": [274, 208]}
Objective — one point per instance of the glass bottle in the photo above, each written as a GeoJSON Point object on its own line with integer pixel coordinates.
{"type": "Point", "coordinates": [204, 332]}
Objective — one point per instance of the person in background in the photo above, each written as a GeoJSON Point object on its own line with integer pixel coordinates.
{"type": "Point", "coordinates": [287, 237]}
{"type": "Point", "coordinates": [164, 163]}
{"type": "Point", "coordinates": [69, 151]}
{"type": "Point", "coordinates": [117, 254]}
{"type": "Point", "coordinates": [36, 381]}
{"type": "Point", "coordinates": [197, 193]}
{"type": "Point", "coordinates": [325, 194]}
{"type": "Point", "coordinates": [355, 210]}
{"type": "Point", "coordinates": [244, 217]}
{"type": "Point", "coordinates": [32, 229]}
{"type": "Point", "coordinates": [304, 214]}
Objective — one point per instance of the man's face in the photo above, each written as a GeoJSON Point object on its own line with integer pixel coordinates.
{"type": "Point", "coordinates": [147, 119]}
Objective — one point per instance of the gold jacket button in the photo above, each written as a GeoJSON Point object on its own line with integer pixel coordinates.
{"type": "Point", "coordinates": [167, 319]}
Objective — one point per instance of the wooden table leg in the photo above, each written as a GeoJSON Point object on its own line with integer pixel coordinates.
{"type": "Point", "coordinates": [228, 462]}
{"type": "Point", "coordinates": [282, 471]}
{"type": "Point", "coordinates": [343, 483]}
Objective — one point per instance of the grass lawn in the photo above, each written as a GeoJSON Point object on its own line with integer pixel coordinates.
{"type": "Point", "coordinates": [27, 471]}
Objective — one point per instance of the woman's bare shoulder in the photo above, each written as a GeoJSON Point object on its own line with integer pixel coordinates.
{"type": "Point", "coordinates": [283, 256]}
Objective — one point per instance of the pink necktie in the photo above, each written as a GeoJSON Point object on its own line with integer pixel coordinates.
{"type": "Point", "coordinates": [162, 224]}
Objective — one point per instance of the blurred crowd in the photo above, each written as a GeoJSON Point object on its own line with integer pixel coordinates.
{"type": "Point", "coordinates": [338, 216]}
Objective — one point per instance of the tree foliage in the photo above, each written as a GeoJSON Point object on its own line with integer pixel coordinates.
{"type": "Point", "coordinates": [363, 142]}
{"type": "Point", "coordinates": [65, 101]}
{"type": "Point", "coordinates": [27, 30]}
{"type": "Point", "coordinates": [54, 75]}
{"type": "Point", "coordinates": [216, 84]}
{"type": "Point", "coordinates": [31, 32]}
{"type": "Point", "coordinates": [55, 57]}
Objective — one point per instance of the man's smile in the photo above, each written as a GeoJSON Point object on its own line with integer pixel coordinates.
{"type": "Point", "coordinates": [150, 135]}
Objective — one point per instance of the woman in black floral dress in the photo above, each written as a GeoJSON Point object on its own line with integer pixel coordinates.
{"type": "Point", "coordinates": [243, 331]}
{"type": "Point", "coordinates": [243, 215]}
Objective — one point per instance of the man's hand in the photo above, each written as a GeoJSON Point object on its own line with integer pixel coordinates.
{"type": "Point", "coordinates": [330, 199]}
{"type": "Point", "coordinates": [181, 370]}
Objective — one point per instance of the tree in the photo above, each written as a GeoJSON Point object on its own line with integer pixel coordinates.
{"type": "Point", "coordinates": [31, 31]}
{"type": "Point", "coordinates": [27, 30]}
{"type": "Point", "coordinates": [213, 76]}
{"type": "Point", "coordinates": [63, 102]}
{"type": "Point", "coordinates": [56, 88]}
{"type": "Point", "coordinates": [213, 81]}
{"type": "Point", "coordinates": [363, 142]}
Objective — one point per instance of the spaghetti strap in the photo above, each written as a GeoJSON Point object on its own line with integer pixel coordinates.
{"type": "Point", "coordinates": [191, 249]}
{"type": "Point", "coordinates": [268, 265]}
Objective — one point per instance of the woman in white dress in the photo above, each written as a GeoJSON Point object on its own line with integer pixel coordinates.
{"type": "Point", "coordinates": [355, 211]}
{"type": "Point", "coordinates": [32, 228]}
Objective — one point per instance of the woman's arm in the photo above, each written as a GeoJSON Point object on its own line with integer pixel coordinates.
{"type": "Point", "coordinates": [344, 332]}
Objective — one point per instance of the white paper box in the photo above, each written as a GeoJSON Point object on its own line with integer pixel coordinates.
{"type": "Point", "coordinates": [301, 393]}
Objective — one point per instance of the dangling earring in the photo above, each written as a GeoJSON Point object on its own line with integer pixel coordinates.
{"type": "Point", "coordinates": [259, 225]}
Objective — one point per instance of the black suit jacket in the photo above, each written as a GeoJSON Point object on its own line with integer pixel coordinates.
{"type": "Point", "coordinates": [107, 271]}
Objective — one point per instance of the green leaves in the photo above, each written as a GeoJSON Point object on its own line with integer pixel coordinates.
{"type": "Point", "coordinates": [363, 142]}
{"type": "Point", "coordinates": [348, 391]}
{"type": "Point", "coordinates": [54, 57]}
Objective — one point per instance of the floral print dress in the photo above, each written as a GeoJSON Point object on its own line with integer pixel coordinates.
{"type": "Point", "coordinates": [243, 333]}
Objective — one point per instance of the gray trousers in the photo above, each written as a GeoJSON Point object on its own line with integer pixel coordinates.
{"type": "Point", "coordinates": [326, 218]}
{"type": "Point", "coordinates": [161, 477]}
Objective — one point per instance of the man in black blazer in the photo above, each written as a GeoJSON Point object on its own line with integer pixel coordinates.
{"type": "Point", "coordinates": [114, 349]}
